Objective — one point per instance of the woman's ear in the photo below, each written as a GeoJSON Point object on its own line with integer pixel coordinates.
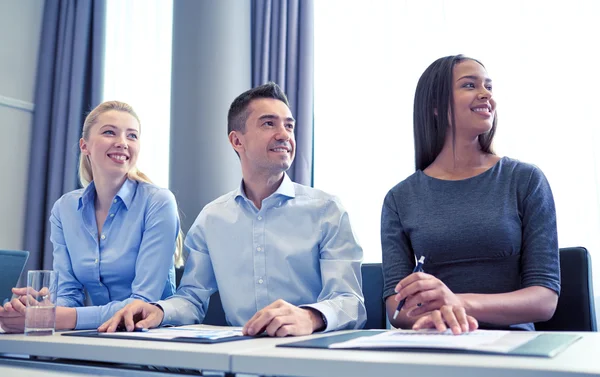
{"type": "Point", "coordinates": [83, 147]}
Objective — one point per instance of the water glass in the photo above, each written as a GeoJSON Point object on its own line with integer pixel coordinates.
{"type": "Point", "coordinates": [40, 315]}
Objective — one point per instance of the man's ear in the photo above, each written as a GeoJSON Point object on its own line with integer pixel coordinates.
{"type": "Point", "coordinates": [235, 141]}
{"type": "Point", "coordinates": [83, 147]}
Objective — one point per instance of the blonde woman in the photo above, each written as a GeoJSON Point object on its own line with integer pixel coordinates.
{"type": "Point", "coordinates": [114, 238]}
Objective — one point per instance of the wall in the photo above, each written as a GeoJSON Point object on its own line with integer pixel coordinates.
{"type": "Point", "coordinates": [20, 27]}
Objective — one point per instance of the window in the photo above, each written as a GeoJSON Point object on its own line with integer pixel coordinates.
{"type": "Point", "coordinates": [138, 71]}
{"type": "Point", "coordinates": [370, 54]}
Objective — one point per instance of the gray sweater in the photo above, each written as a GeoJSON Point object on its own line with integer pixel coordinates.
{"type": "Point", "coordinates": [492, 233]}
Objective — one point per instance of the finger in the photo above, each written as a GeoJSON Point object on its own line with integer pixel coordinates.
{"type": "Point", "coordinates": [115, 322]}
{"type": "Point", "coordinates": [417, 287]}
{"type": "Point", "coordinates": [153, 318]}
{"type": "Point", "coordinates": [18, 306]}
{"type": "Point", "coordinates": [424, 322]}
{"type": "Point", "coordinates": [438, 321]}
{"type": "Point", "coordinates": [461, 318]}
{"type": "Point", "coordinates": [263, 320]}
{"type": "Point", "coordinates": [450, 319]}
{"type": "Point", "coordinates": [287, 330]}
{"type": "Point", "coordinates": [278, 322]}
{"type": "Point", "coordinates": [20, 291]}
{"type": "Point", "coordinates": [473, 324]}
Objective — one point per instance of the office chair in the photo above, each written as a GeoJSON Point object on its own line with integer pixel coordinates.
{"type": "Point", "coordinates": [372, 278]}
{"type": "Point", "coordinates": [575, 310]}
{"type": "Point", "coordinates": [215, 315]}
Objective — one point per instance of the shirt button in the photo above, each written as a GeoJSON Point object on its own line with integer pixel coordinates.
{"type": "Point", "coordinates": [259, 248]}
{"type": "Point", "coordinates": [100, 284]}
{"type": "Point", "coordinates": [260, 281]}
{"type": "Point", "coordinates": [103, 237]}
{"type": "Point", "coordinates": [112, 215]}
{"type": "Point", "coordinates": [114, 201]}
{"type": "Point", "coordinates": [259, 217]}
{"type": "Point", "coordinates": [96, 260]}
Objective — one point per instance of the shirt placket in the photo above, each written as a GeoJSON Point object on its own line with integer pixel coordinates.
{"type": "Point", "coordinates": [260, 263]}
{"type": "Point", "coordinates": [104, 239]}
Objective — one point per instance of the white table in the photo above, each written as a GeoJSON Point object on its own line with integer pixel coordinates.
{"type": "Point", "coordinates": [261, 356]}
{"type": "Point", "coordinates": [580, 359]}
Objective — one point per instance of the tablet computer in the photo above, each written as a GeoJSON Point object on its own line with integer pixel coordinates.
{"type": "Point", "coordinates": [12, 263]}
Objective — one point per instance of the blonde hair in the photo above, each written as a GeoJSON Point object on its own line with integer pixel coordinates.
{"type": "Point", "coordinates": [85, 168]}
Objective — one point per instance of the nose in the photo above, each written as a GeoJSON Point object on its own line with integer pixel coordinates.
{"type": "Point", "coordinates": [484, 93]}
{"type": "Point", "coordinates": [282, 133]}
{"type": "Point", "coordinates": [122, 143]}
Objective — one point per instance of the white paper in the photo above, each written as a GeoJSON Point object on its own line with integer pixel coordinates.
{"type": "Point", "coordinates": [182, 332]}
{"type": "Point", "coordinates": [480, 340]}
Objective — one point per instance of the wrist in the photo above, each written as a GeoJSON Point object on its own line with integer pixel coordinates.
{"type": "Point", "coordinates": [66, 318]}
{"type": "Point", "coordinates": [319, 322]}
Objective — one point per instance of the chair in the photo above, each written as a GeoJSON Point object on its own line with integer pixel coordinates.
{"type": "Point", "coordinates": [215, 315]}
{"type": "Point", "coordinates": [575, 310]}
{"type": "Point", "coordinates": [372, 277]}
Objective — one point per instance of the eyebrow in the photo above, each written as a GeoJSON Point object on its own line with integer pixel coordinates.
{"type": "Point", "coordinates": [471, 77]}
{"type": "Point", "coordinates": [112, 126]}
{"type": "Point", "coordinates": [271, 116]}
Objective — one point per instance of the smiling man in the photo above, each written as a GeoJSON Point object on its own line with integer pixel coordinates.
{"type": "Point", "coordinates": [283, 256]}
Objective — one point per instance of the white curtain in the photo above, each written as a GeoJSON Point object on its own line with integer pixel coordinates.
{"type": "Point", "coordinates": [541, 56]}
{"type": "Point", "coordinates": [138, 71]}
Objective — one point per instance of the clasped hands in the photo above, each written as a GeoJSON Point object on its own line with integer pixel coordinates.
{"type": "Point", "coordinates": [278, 319]}
{"type": "Point", "coordinates": [434, 304]}
{"type": "Point", "coordinates": [12, 314]}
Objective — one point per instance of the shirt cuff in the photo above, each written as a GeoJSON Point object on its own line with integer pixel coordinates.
{"type": "Point", "coordinates": [168, 312]}
{"type": "Point", "coordinates": [327, 312]}
{"type": "Point", "coordinates": [88, 317]}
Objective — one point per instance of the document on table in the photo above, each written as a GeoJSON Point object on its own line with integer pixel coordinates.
{"type": "Point", "coordinates": [182, 332]}
{"type": "Point", "coordinates": [479, 340]}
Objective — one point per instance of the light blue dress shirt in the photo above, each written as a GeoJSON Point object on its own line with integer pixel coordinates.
{"type": "Point", "coordinates": [131, 259]}
{"type": "Point", "coordinates": [298, 247]}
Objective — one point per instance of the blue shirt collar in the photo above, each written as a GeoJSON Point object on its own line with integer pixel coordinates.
{"type": "Point", "coordinates": [125, 193]}
{"type": "Point", "coordinates": [286, 188]}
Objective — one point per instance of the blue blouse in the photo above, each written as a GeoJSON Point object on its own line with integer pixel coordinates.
{"type": "Point", "coordinates": [131, 259]}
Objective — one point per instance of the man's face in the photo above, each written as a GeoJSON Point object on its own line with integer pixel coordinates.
{"type": "Point", "coordinates": [267, 145]}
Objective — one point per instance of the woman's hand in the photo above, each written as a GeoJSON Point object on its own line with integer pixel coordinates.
{"type": "Point", "coordinates": [424, 293]}
{"type": "Point", "coordinates": [448, 316]}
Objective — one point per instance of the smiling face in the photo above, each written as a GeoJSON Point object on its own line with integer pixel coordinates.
{"type": "Point", "coordinates": [474, 107]}
{"type": "Point", "coordinates": [267, 144]}
{"type": "Point", "coordinates": [112, 145]}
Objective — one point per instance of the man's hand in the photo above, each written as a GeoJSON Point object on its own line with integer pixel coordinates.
{"type": "Point", "coordinates": [282, 319]}
{"type": "Point", "coordinates": [138, 314]}
{"type": "Point", "coordinates": [448, 316]}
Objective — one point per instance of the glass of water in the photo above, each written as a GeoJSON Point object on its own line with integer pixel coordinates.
{"type": "Point", "coordinates": [40, 315]}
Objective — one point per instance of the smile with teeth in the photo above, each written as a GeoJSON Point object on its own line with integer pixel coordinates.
{"type": "Point", "coordinates": [280, 150]}
{"type": "Point", "coordinates": [481, 109]}
{"type": "Point", "coordinates": [118, 157]}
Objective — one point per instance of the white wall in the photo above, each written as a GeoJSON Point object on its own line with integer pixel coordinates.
{"type": "Point", "coordinates": [20, 26]}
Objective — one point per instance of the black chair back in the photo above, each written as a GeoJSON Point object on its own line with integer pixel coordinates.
{"type": "Point", "coordinates": [575, 310]}
{"type": "Point", "coordinates": [372, 278]}
{"type": "Point", "coordinates": [215, 315]}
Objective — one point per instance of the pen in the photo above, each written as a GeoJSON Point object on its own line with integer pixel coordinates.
{"type": "Point", "coordinates": [418, 268]}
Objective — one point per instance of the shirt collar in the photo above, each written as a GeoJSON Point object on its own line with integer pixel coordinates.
{"type": "Point", "coordinates": [125, 193]}
{"type": "Point", "coordinates": [286, 188]}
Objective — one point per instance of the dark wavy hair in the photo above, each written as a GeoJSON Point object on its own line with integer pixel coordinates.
{"type": "Point", "coordinates": [434, 92]}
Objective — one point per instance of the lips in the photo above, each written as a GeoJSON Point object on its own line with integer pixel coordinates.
{"type": "Point", "coordinates": [119, 158]}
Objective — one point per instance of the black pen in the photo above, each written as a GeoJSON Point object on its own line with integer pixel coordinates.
{"type": "Point", "coordinates": [418, 268]}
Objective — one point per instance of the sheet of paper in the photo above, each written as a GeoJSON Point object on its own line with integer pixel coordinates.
{"type": "Point", "coordinates": [180, 332]}
{"type": "Point", "coordinates": [480, 340]}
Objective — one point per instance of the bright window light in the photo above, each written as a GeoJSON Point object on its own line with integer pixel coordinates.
{"type": "Point", "coordinates": [540, 55]}
{"type": "Point", "coordinates": [138, 71]}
